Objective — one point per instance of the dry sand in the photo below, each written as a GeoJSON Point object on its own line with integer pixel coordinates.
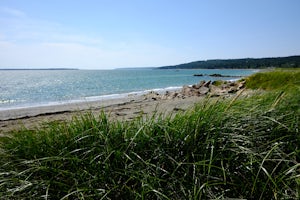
{"type": "Point", "coordinates": [126, 108]}
{"type": "Point", "coordinates": [117, 109]}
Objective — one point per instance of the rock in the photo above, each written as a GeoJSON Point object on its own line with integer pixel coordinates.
{"type": "Point", "coordinates": [201, 83]}
{"type": "Point", "coordinates": [232, 90]}
{"type": "Point", "coordinates": [241, 85]}
{"type": "Point", "coordinates": [203, 90]}
{"type": "Point", "coordinates": [219, 88]}
{"type": "Point", "coordinates": [216, 91]}
{"type": "Point", "coordinates": [186, 90]}
{"type": "Point", "coordinates": [170, 95]}
{"type": "Point", "coordinates": [206, 84]}
{"type": "Point", "coordinates": [178, 109]}
{"type": "Point", "coordinates": [220, 75]}
{"type": "Point", "coordinates": [152, 95]}
{"type": "Point", "coordinates": [232, 83]}
{"type": "Point", "coordinates": [196, 86]}
{"type": "Point", "coordinates": [173, 95]}
{"type": "Point", "coordinates": [216, 75]}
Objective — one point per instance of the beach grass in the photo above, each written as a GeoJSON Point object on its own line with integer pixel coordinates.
{"type": "Point", "coordinates": [241, 147]}
{"type": "Point", "coordinates": [275, 79]}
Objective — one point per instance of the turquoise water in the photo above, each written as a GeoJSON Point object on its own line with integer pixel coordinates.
{"type": "Point", "coordinates": [24, 88]}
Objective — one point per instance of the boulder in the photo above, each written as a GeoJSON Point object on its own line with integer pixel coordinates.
{"type": "Point", "coordinates": [187, 91]}
{"type": "Point", "coordinates": [197, 86]}
{"type": "Point", "coordinates": [232, 84]}
{"type": "Point", "coordinates": [203, 90]}
{"type": "Point", "coordinates": [198, 75]}
{"type": "Point", "coordinates": [206, 84]}
{"type": "Point", "coordinates": [216, 91]}
{"type": "Point", "coordinates": [216, 75]}
{"type": "Point", "coordinates": [219, 88]}
{"type": "Point", "coordinates": [201, 83]}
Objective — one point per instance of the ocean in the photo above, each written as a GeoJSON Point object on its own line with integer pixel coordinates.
{"type": "Point", "coordinates": [29, 88]}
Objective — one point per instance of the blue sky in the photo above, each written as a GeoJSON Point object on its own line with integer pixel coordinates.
{"type": "Point", "coordinates": [106, 34]}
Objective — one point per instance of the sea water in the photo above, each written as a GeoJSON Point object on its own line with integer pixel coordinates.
{"type": "Point", "coordinates": [26, 88]}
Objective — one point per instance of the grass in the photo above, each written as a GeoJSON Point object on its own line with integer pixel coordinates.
{"type": "Point", "coordinates": [245, 148]}
{"type": "Point", "coordinates": [276, 79]}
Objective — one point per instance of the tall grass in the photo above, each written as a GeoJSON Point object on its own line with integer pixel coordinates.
{"type": "Point", "coordinates": [244, 148]}
{"type": "Point", "coordinates": [276, 79]}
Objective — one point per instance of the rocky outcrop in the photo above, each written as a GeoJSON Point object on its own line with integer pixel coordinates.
{"type": "Point", "coordinates": [203, 88]}
{"type": "Point", "coordinates": [217, 75]}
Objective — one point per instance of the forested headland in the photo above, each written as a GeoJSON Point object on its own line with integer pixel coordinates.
{"type": "Point", "coordinates": [244, 63]}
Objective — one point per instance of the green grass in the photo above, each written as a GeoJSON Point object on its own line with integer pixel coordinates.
{"type": "Point", "coordinates": [276, 79]}
{"type": "Point", "coordinates": [235, 148]}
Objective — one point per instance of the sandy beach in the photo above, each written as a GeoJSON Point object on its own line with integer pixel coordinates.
{"type": "Point", "coordinates": [126, 108]}
{"type": "Point", "coordinates": [117, 109]}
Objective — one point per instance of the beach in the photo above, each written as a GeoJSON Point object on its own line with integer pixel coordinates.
{"type": "Point", "coordinates": [33, 97]}
{"type": "Point", "coordinates": [124, 109]}
{"type": "Point", "coordinates": [117, 109]}
{"type": "Point", "coordinates": [206, 132]}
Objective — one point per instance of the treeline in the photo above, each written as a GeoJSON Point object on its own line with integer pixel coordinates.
{"type": "Point", "coordinates": [245, 63]}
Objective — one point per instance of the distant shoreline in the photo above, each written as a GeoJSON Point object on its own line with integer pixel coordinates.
{"type": "Point", "coordinates": [237, 63]}
{"type": "Point", "coordinates": [240, 63]}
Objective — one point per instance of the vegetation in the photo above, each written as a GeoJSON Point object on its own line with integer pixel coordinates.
{"type": "Point", "coordinates": [276, 79]}
{"type": "Point", "coordinates": [236, 148]}
{"type": "Point", "coordinates": [245, 63]}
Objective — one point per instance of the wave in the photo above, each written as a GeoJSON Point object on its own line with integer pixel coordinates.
{"type": "Point", "coordinates": [7, 101]}
{"type": "Point", "coordinates": [128, 94]}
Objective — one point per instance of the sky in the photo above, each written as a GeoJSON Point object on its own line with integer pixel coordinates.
{"type": "Point", "coordinates": [108, 34]}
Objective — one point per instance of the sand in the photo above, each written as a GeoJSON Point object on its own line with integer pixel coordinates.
{"type": "Point", "coordinates": [126, 108]}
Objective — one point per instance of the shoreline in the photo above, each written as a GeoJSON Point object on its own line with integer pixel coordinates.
{"type": "Point", "coordinates": [32, 111]}
{"type": "Point", "coordinates": [88, 99]}
{"type": "Point", "coordinates": [128, 107]}
{"type": "Point", "coordinates": [29, 110]}
{"type": "Point", "coordinates": [121, 109]}
{"type": "Point", "coordinates": [15, 98]}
